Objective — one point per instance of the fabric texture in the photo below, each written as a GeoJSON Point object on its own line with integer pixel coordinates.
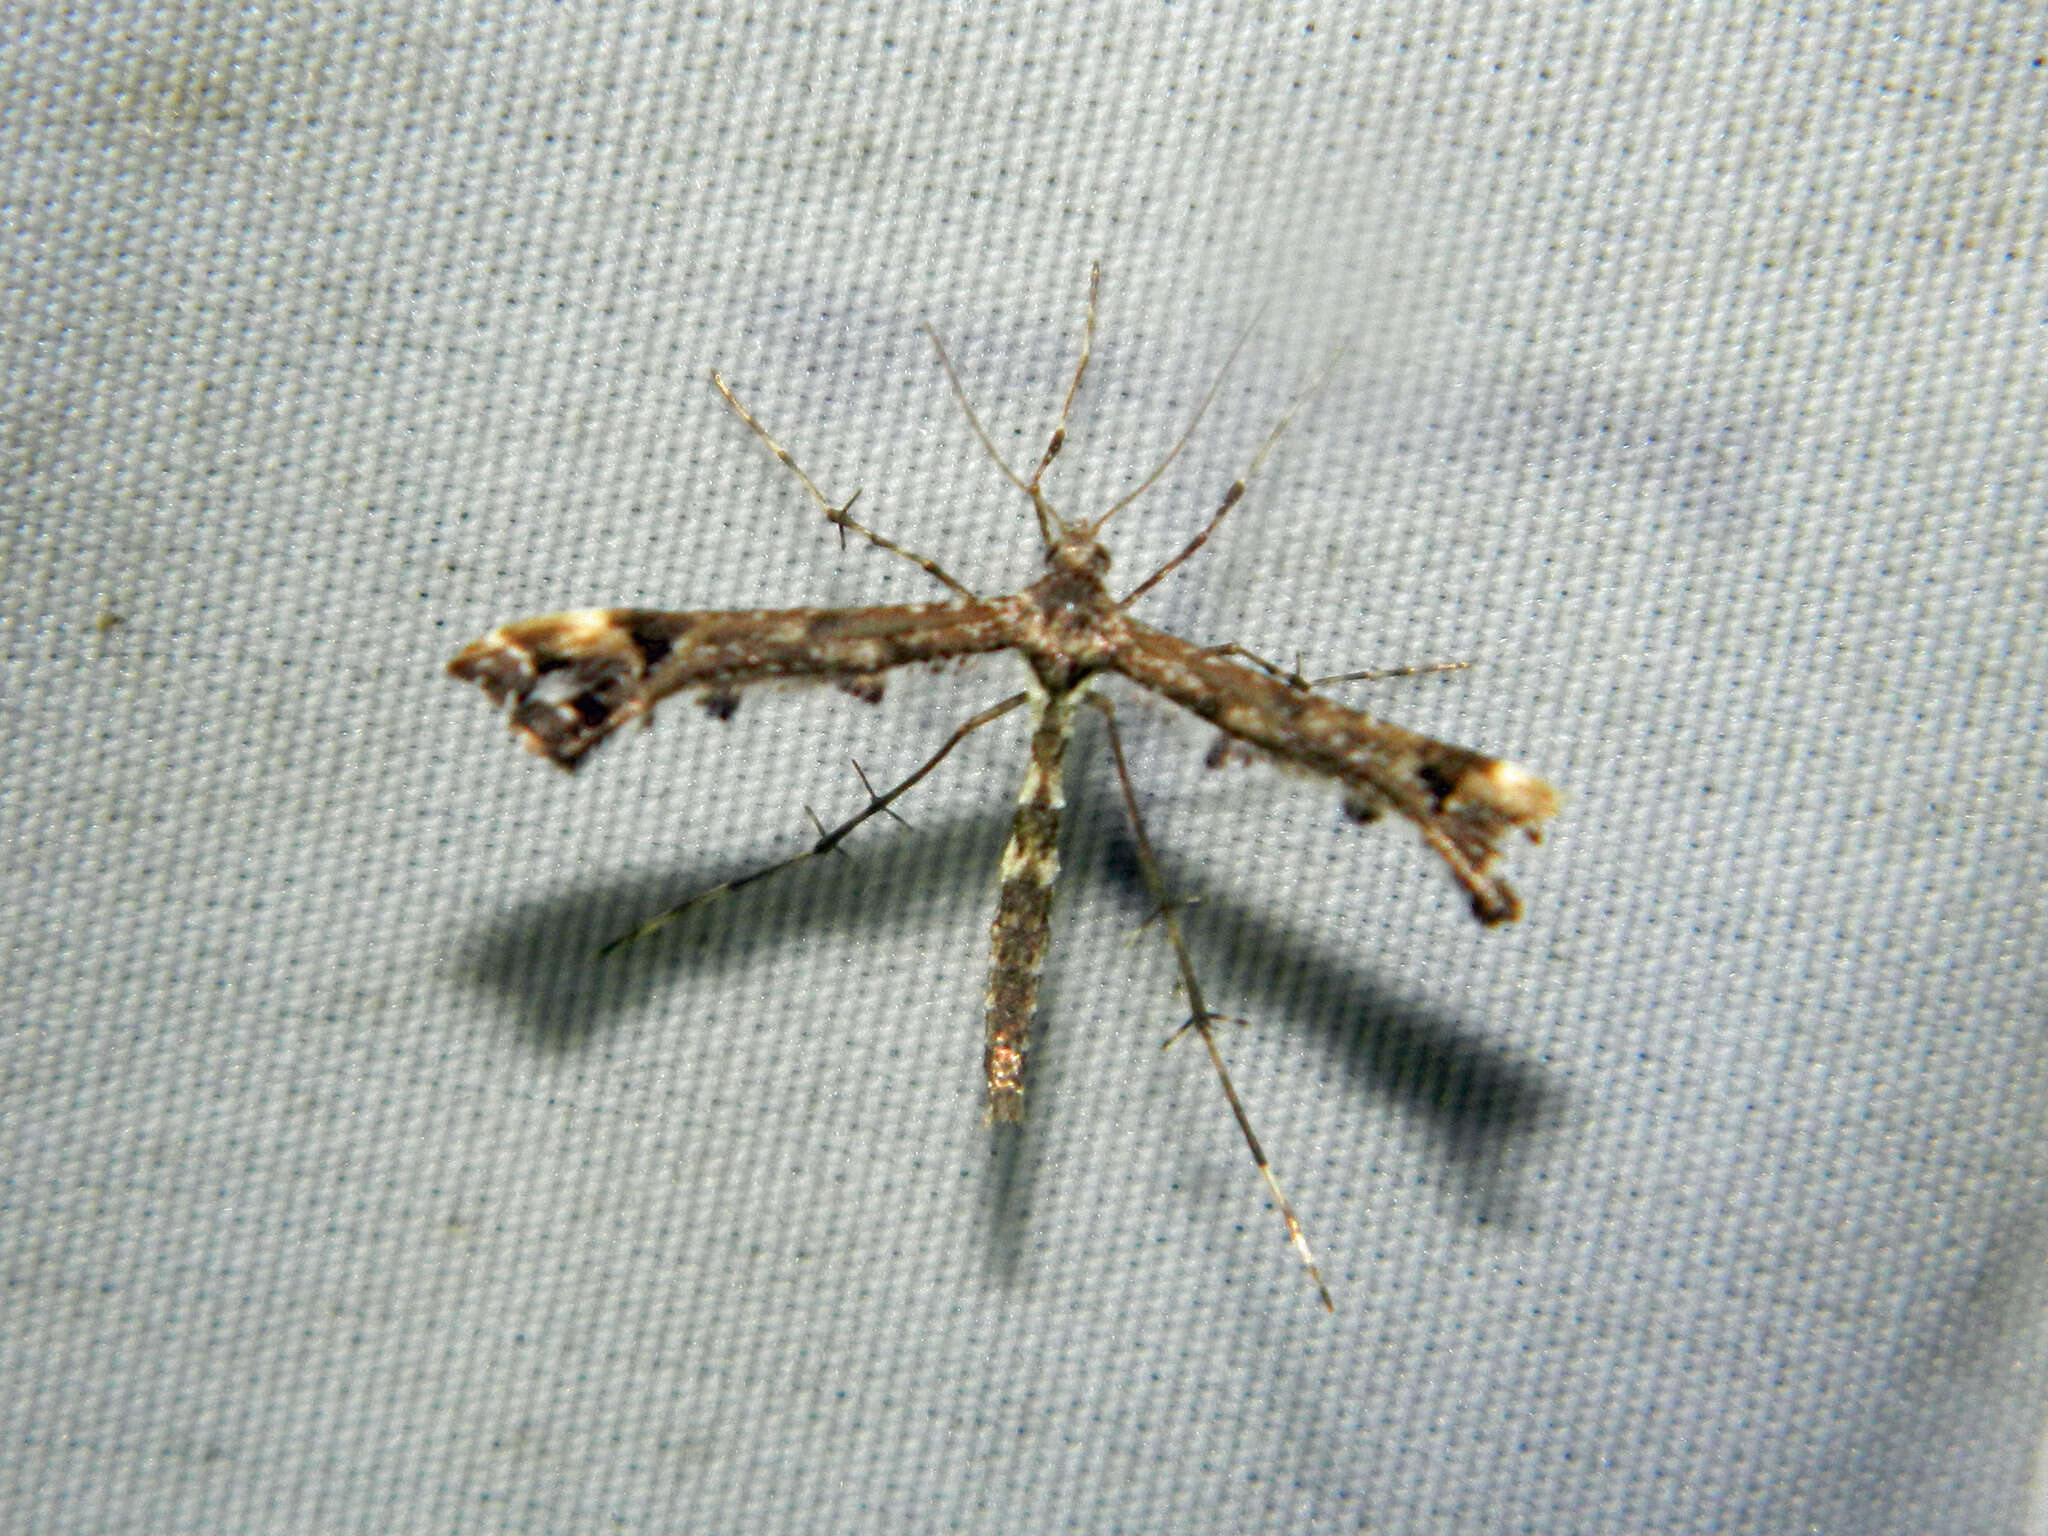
{"type": "Point", "coordinates": [1682, 370]}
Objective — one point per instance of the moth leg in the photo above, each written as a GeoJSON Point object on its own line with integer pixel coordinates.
{"type": "Point", "coordinates": [827, 840]}
{"type": "Point", "coordinates": [1059, 430]}
{"type": "Point", "coordinates": [1200, 1019]}
{"type": "Point", "coordinates": [837, 515]}
{"type": "Point", "coordinates": [1296, 679]}
{"type": "Point", "coordinates": [1049, 525]}
{"type": "Point", "coordinates": [1201, 409]}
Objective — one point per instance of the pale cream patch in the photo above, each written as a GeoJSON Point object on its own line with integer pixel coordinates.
{"type": "Point", "coordinates": [1518, 792]}
{"type": "Point", "coordinates": [578, 626]}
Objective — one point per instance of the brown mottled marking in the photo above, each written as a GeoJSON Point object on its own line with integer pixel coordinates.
{"type": "Point", "coordinates": [571, 679]}
{"type": "Point", "coordinates": [1463, 802]}
{"type": "Point", "coordinates": [864, 686]}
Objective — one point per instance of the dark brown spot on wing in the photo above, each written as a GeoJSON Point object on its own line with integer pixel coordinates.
{"type": "Point", "coordinates": [865, 686]}
{"type": "Point", "coordinates": [1364, 807]}
{"type": "Point", "coordinates": [1436, 778]}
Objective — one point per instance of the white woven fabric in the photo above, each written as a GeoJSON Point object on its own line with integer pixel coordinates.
{"type": "Point", "coordinates": [1694, 394]}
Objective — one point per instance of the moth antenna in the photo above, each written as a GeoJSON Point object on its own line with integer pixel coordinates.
{"type": "Point", "coordinates": [967, 408]}
{"type": "Point", "coordinates": [1050, 524]}
{"type": "Point", "coordinates": [1194, 421]}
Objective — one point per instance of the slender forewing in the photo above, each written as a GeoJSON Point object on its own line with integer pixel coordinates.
{"type": "Point", "coordinates": [1464, 803]}
{"type": "Point", "coordinates": [568, 680]}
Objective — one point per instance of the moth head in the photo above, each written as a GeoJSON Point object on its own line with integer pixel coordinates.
{"type": "Point", "coordinates": [1075, 553]}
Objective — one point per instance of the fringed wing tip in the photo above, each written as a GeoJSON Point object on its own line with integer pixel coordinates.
{"type": "Point", "coordinates": [1524, 799]}
{"type": "Point", "coordinates": [567, 680]}
{"type": "Point", "coordinates": [1491, 797]}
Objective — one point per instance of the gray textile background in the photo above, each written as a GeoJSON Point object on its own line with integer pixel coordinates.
{"type": "Point", "coordinates": [1695, 394]}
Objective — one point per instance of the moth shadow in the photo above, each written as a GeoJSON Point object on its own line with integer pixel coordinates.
{"type": "Point", "coordinates": [544, 958]}
{"type": "Point", "coordinates": [1481, 1103]}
